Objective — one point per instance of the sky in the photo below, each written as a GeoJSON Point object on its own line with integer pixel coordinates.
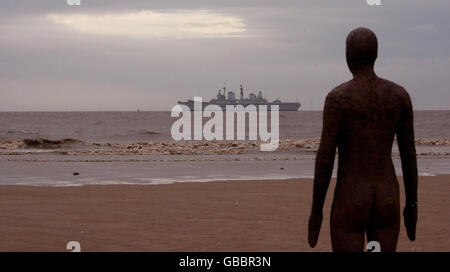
{"type": "Point", "coordinates": [108, 55]}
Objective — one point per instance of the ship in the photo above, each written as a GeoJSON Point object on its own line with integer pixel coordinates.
{"type": "Point", "coordinates": [224, 98]}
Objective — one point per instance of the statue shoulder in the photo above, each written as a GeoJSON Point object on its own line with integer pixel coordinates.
{"type": "Point", "coordinates": [398, 91]}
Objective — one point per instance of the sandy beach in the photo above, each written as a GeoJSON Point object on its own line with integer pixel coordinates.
{"type": "Point", "coordinates": [268, 215]}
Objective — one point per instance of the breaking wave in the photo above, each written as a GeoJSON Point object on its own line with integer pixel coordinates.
{"type": "Point", "coordinates": [425, 141]}
{"type": "Point", "coordinates": [70, 146]}
{"type": "Point", "coordinates": [46, 143]}
{"type": "Point", "coordinates": [41, 143]}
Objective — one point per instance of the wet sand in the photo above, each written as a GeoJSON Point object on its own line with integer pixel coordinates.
{"type": "Point", "coordinates": [268, 215]}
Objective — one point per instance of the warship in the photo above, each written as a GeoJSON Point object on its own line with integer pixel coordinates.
{"type": "Point", "coordinates": [252, 99]}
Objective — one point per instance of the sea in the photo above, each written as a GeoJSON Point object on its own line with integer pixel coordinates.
{"type": "Point", "coordinates": [87, 148]}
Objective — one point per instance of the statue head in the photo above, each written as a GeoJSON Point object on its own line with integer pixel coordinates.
{"type": "Point", "coordinates": [361, 50]}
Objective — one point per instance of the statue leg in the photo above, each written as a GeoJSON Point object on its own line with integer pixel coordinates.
{"type": "Point", "coordinates": [350, 213]}
{"type": "Point", "coordinates": [384, 224]}
{"type": "Point", "coordinates": [346, 234]}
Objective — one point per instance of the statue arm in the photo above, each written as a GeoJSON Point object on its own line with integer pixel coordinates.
{"type": "Point", "coordinates": [405, 140]}
{"type": "Point", "coordinates": [326, 153]}
{"type": "Point", "coordinates": [324, 166]}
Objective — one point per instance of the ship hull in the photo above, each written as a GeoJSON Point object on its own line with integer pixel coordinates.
{"type": "Point", "coordinates": [284, 106]}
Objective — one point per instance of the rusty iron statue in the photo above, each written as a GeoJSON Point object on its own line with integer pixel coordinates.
{"type": "Point", "coordinates": [361, 118]}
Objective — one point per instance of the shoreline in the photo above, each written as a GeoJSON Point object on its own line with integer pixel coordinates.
{"type": "Point", "coordinates": [140, 171]}
{"type": "Point", "coordinates": [252, 215]}
{"type": "Point", "coordinates": [201, 181]}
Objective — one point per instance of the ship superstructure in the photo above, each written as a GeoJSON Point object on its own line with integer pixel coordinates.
{"type": "Point", "coordinates": [224, 98]}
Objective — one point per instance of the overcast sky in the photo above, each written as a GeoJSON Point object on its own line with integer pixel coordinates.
{"type": "Point", "coordinates": [123, 55]}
